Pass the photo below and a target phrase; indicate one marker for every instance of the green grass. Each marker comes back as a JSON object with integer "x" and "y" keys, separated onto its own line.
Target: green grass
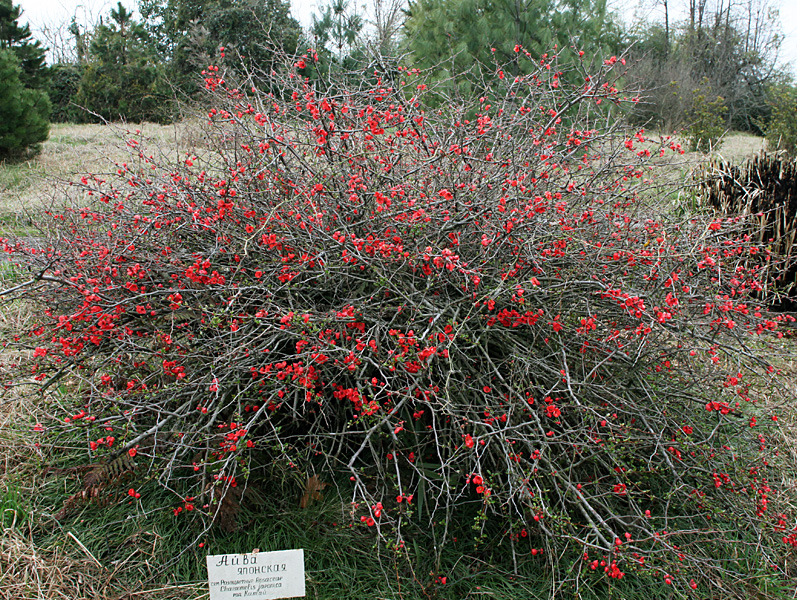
{"x": 12, "y": 509}
{"x": 10, "y": 274}
{"x": 121, "y": 545}
{"x": 342, "y": 562}
{"x": 62, "y": 137}
{"x": 146, "y": 546}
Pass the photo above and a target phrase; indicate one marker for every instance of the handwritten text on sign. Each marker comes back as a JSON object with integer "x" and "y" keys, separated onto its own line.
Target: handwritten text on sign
{"x": 258, "y": 576}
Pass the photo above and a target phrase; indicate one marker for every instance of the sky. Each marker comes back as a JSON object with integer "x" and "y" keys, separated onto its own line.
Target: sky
{"x": 41, "y": 13}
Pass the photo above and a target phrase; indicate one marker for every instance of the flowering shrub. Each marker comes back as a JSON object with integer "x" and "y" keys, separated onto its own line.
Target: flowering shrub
{"x": 447, "y": 315}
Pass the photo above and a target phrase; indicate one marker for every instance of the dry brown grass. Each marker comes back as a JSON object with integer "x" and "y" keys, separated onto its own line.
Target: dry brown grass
{"x": 76, "y": 149}
{"x": 14, "y": 448}
{"x": 27, "y": 571}
{"x": 738, "y": 146}
{"x": 31, "y": 572}
{"x": 735, "y": 147}
{"x": 68, "y": 571}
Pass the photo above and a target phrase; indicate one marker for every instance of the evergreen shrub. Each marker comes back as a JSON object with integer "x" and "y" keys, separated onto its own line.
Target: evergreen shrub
{"x": 781, "y": 128}
{"x": 706, "y": 119}
{"x": 64, "y": 85}
{"x": 24, "y": 112}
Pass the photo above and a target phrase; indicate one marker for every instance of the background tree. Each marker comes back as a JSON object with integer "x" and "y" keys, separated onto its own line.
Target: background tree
{"x": 67, "y": 41}
{"x": 70, "y": 45}
{"x": 388, "y": 21}
{"x": 24, "y": 112}
{"x": 781, "y": 129}
{"x": 24, "y": 106}
{"x": 18, "y": 39}
{"x": 82, "y": 40}
{"x": 59, "y": 40}
{"x": 172, "y": 27}
{"x": 336, "y": 39}
{"x": 123, "y": 78}
{"x": 187, "y": 33}
{"x": 65, "y": 78}
{"x": 461, "y": 35}
{"x": 254, "y": 29}
{"x": 728, "y": 49}
{"x": 336, "y": 29}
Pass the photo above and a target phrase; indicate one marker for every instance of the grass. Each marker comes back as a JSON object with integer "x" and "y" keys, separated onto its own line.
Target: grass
{"x": 158, "y": 555}
{"x": 737, "y": 146}
{"x": 71, "y": 150}
{"x": 99, "y": 552}
{"x": 677, "y": 173}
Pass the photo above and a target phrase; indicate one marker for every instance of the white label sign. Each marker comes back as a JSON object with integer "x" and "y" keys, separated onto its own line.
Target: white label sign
{"x": 257, "y": 576}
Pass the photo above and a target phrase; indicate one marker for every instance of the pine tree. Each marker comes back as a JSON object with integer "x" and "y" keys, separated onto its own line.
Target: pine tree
{"x": 462, "y": 35}
{"x": 24, "y": 112}
{"x": 337, "y": 28}
{"x": 123, "y": 78}
{"x": 187, "y": 33}
{"x": 338, "y": 47}
{"x": 18, "y": 38}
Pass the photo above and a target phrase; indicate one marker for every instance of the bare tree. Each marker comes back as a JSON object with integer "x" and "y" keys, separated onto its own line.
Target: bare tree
{"x": 67, "y": 39}
{"x": 58, "y": 39}
{"x": 388, "y": 20}
{"x": 726, "y": 48}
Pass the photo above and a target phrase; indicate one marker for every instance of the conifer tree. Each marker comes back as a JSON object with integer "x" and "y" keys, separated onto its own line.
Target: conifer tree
{"x": 187, "y": 33}
{"x": 336, "y": 43}
{"x": 337, "y": 28}
{"x": 174, "y": 27}
{"x": 18, "y": 39}
{"x": 24, "y": 112}
{"x": 123, "y": 78}
{"x": 459, "y": 35}
{"x": 254, "y": 29}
